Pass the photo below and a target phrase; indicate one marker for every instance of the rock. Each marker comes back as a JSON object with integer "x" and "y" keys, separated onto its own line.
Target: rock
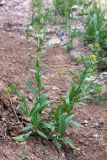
{"x": 53, "y": 41}
{"x": 60, "y": 34}
{"x": 55, "y": 88}
{"x": 95, "y": 135}
{"x": 89, "y": 79}
{"x": 62, "y": 37}
{"x": 74, "y": 54}
{"x": 2, "y": 2}
{"x": 86, "y": 122}
{"x": 75, "y": 8}
{"x": 3, "y": 119}
{"x": 103, "y": 76}
{"x": 51, "y": 30}
{"x": 98, "y": 124}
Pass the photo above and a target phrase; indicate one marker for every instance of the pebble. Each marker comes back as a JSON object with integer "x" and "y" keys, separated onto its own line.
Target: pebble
{"x": 3, "y": 119}
{"x": 86, "y": 122}
{"x": 53, "y": 41}
{"x": 103, "y": 76}
{"x": 2, "y": 2}
{"x": 75, "y": 8}
{"x": 98, "y": 124}
{"x": 61, "y": 34}
{"x": 95, "y": 135}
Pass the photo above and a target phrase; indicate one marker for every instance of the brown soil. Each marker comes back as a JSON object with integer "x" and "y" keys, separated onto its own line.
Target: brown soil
{"x": 15, "y": 65}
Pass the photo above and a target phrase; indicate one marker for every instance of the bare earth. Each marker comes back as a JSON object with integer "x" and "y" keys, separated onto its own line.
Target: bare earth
{"x": 15, "y": 66}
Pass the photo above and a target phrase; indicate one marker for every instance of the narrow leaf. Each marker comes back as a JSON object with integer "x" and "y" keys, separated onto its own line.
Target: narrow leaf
{"x": 41, "y": 134}
{"x": 76, "y": 124}
{"x": 28, "y": 127}
{"x": 22, "y": 137}
{"x": 31, "y": 87}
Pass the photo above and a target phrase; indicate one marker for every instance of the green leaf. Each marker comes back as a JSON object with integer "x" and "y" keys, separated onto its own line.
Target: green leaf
{"x": 22, "y": 137}
{"x": 39, "y": 108}
{"x": 72, "y": 123}
{"x": 68, "y": 118}
{"x": 50, "y": 125}
{"x": 36, "y": 120}
{"x": 69, "y": 142}
{"x": 41, "y": 134}
{"x": 31, "y": 88}
{"x": 24, "y": 106}
{"x": 27, "y": 127}
{"x": 62, "y": 126}
{"x": 43, "y": 98}
{"x": 57, "y": 144}
{"x": 11, "y": 89}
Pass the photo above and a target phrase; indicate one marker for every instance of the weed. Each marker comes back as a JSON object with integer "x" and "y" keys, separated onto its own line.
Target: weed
{"x": 96, "y": 26}
{"x": 61, "y": 116}
{"x": 96, "y": 31}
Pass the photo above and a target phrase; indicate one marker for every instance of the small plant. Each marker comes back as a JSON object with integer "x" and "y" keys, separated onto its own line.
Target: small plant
{"x": 58, "y": 118}
{"x": 96, "y": 24}
{"x": 48, "y": 122}
{"x": 96, "y": 31}
{"x": 63, "y": 8}
{"x": 39, "y": 19}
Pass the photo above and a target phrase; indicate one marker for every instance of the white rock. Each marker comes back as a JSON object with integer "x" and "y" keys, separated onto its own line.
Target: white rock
{"x": 2, "y": 2}
{"x": 53, "y": 41}
{"x": 86, "y": 122}
{"x": 75, "y": 8}
{"x": 103, "y": 76}
{"x": 95, "y": 135}
{"x": 89, "y": 79}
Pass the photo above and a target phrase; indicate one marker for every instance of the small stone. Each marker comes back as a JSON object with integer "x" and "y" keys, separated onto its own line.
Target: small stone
{"x": 90, "y": 79}
{"x": 2, "y": 2}
{"x": 3, "y": 119}
{"x": 96, "y": 125}
{"x": 61, "y": 34}
{"x": 53, "y": 41}
{"x": 64, "y": 39}
{"x": 86, "y": 122}
{"x": 55, "y": 88}
{"x": 85, "y": 125}
{"x": 75, "y": 8}
{"x": 50, "y": 30}
{"x": 103, "y": 76}
{"x": 95, "y": 135}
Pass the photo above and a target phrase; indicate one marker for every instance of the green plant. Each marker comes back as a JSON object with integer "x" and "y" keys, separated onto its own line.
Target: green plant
{"x": 60, "y": 117}
{"x": 96, "y": 31}
{"x": 95, "y": 28}
{"x": 63, "y": 7}
{"x": 39, "y": 19}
